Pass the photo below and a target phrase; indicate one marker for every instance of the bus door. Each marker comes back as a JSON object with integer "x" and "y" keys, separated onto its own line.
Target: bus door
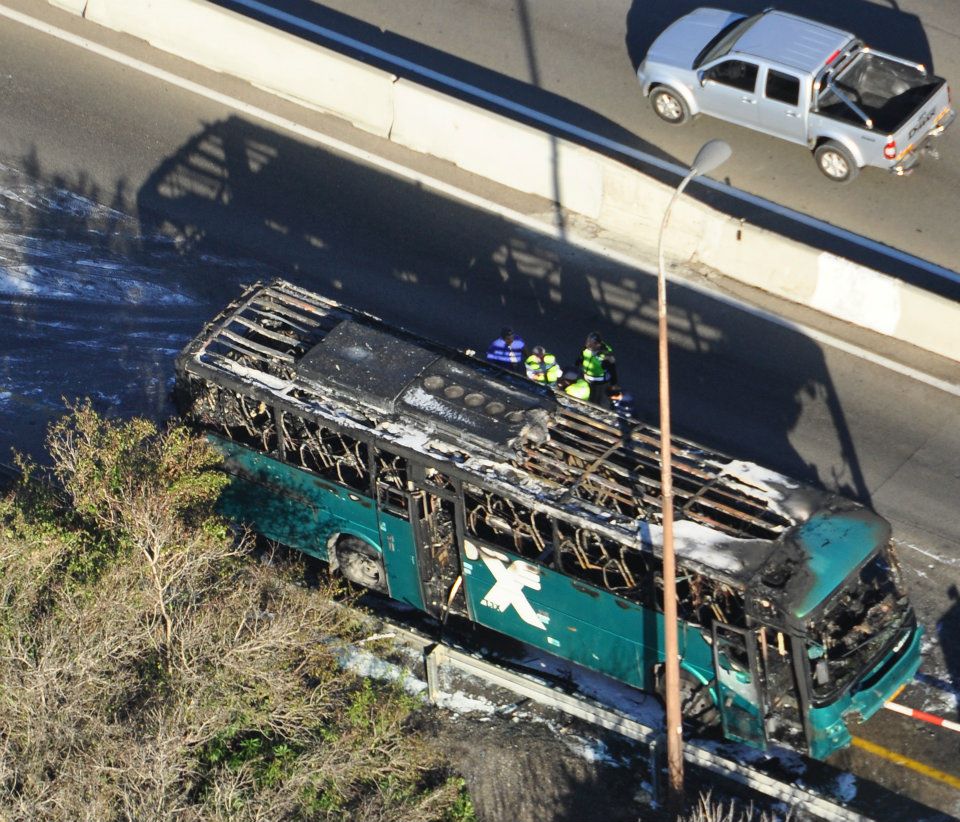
{"x": 395, "y": 502}
{"x": 781, "y": 694}
{"x": 739, "y": 695}
{"x": 438, "y": 557}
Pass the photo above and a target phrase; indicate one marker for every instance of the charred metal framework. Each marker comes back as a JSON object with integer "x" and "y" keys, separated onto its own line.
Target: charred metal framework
{"x": 336, "y": 392}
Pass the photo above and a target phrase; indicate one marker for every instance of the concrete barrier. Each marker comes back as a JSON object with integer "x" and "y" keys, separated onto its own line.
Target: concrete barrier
{"x": 273, "y": 60}
{"x": 73, "y": 6}
{"x": 831, "y": 285}
{"x": 633, "y": 206}
{"x": 497, "y": 148}
{"x": 622, "y": 201}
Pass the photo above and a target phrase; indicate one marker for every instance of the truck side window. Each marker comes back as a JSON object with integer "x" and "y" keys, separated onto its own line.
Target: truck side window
{"x": 783, "y": 87}
{"x": 736, "y": 73}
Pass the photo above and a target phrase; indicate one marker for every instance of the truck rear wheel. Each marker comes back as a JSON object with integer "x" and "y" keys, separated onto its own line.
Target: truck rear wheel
{"x": 835, "y": 162}
{"x": 669, "y": 106}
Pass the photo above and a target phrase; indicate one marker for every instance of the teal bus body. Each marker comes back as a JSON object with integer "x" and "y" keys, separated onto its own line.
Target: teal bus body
{"x": 458, "y": 489}
{"x": 579, "y": 622}
{"x": 585, "y": 624}
{"x": 301, "y": 511}
{"x": 827, "y": 566}
{"x": 829, "y": 724}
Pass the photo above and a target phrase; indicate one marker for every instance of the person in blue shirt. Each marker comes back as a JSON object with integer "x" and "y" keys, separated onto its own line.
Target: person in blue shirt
{"x": 508, "y": 351}
{"x": 620, "y": 401}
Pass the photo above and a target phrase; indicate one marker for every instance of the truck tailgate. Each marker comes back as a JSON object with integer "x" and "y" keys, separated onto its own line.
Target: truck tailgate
{"x": 932, "y": 116}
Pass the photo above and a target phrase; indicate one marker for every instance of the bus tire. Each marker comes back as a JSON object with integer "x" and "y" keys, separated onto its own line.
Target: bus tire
{"x": 835, "y": 161}
{"x": 696, "y": 703}
{"x": 361, "y": 564}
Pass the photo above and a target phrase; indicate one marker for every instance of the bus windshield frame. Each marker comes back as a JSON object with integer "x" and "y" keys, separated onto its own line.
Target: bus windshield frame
{"x": 866, "y": 617}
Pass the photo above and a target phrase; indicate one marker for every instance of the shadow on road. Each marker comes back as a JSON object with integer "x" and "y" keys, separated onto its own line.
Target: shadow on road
{"x": 453, "y": 273}
{"x": 948, "y": 635}
{"x": 883, "y": 26}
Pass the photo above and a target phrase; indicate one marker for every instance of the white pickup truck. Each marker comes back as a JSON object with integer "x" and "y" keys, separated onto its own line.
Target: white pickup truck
{"x": 799, "y": 80}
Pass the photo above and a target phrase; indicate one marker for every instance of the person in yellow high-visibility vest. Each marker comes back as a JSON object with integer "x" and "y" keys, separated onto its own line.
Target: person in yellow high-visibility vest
{"x": 597, "y": 365}
{"x": 576, "y": 386}
{"x": 541, "y": 366}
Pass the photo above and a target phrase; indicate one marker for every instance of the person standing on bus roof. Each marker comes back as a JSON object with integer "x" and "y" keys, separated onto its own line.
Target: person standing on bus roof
{"x": 598, "y": 366}
{"x": 507, "y": 351}
{"x": 541, "y": 366}
{"x": 576, "y": 386}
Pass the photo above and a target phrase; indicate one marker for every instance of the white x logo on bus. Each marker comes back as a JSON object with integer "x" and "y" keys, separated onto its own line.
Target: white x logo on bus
{"x": 510, "y": 581}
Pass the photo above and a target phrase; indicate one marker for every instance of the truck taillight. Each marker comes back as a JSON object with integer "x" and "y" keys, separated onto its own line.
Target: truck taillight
{"x": 890, "y": 150}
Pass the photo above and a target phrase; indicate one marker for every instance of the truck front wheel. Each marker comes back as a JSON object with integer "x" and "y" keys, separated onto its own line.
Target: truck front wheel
{"x": 835, "y": 161}
{"x": 669, "y": 106}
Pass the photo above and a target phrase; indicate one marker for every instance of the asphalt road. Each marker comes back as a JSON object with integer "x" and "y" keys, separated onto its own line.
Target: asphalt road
{"x": 246, "y": 201}
{"x": 575, "y": 60}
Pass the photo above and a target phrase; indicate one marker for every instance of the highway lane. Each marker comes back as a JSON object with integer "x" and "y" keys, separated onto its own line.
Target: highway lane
{"x": 576, "y": 60}
{"x": 247, "y": 200}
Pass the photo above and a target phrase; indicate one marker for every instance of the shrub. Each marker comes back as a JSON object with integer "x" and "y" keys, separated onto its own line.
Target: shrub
{"x": 149, "y": 670}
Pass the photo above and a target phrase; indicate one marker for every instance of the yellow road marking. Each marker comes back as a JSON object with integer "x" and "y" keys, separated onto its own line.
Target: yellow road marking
{"x": 897, "y": 692}
{"x": 899, "y": 759}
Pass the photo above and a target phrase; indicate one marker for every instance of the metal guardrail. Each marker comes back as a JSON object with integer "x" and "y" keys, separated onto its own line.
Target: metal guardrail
{"x": 437, "y": 655}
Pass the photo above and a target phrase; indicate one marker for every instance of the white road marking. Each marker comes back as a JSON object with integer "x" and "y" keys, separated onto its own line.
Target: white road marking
{"x": 938, "y": 557}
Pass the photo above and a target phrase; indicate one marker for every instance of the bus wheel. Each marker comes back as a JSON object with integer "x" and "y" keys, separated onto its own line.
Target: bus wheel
{"x": 696, "y": 704}
{"x": 361, "y": 564}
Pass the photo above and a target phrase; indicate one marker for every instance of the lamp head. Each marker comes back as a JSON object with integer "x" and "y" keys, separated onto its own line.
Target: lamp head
{"x": 712, "y": 154}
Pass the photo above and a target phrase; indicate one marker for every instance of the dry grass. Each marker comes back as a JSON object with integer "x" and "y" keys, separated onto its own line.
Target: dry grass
{"x": 149, "y": 671}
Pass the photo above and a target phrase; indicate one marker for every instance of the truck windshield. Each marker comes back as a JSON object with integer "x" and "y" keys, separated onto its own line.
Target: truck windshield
{"x": 856, "y": 626}
{"x": 724, "y": 40}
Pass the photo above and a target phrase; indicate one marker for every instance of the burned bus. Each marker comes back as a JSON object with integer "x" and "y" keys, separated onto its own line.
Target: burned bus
{"x": 462, "y": 489}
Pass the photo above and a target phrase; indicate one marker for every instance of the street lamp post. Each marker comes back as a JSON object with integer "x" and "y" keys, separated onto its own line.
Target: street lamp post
{"x": 711, "y": 155}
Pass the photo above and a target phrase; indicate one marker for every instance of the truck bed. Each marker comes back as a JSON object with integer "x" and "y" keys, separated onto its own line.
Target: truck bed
{"x": 888, "y": 91}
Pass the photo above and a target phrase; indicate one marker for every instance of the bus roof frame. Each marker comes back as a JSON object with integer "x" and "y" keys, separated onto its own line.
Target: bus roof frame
{"x": 498, "y": 454}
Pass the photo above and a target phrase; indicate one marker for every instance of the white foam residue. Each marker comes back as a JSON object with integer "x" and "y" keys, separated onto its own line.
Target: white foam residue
{"x": 253, "y": 375}
{"x": 592, "y": 750}
{"x": 47, "y": 257}
{"x": 419, "y": 398}
{"x": 21, "y": 279}
{"x": 760, "y": 483}
{"x": 364, "y": 663}
{"x": 414, "y": 440}
{"x": 697, "y": 543}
